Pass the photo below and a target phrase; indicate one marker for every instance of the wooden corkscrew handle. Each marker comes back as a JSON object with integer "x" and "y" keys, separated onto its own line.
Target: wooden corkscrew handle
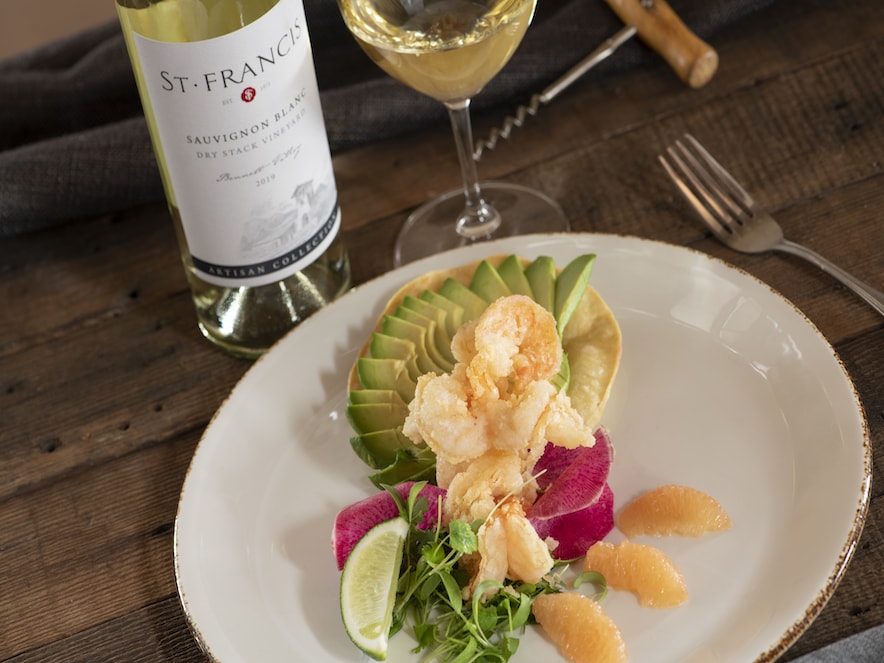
{"x": 659, "y": 27}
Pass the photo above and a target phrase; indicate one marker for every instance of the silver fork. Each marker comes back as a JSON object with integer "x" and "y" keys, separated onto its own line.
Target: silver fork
{"x": 734, "y": 218}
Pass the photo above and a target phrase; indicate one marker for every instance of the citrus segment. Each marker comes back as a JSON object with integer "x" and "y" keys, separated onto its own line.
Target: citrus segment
{"x": 368, "y": 586}
{"x": 671, "y": 510}
{"x": 579, "y": 628}
{"x": 643, "y": 570}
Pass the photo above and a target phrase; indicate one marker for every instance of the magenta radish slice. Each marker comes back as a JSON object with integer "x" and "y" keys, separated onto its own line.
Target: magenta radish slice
{"x": 576, "y": 484}
{"x": 552, "y": 463}
{"x": 578, "y": 530}
{"x": 353, "y": 521}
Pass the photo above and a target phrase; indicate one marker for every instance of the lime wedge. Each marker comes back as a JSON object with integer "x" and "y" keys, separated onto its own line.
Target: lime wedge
{"x": 368, "y": 586}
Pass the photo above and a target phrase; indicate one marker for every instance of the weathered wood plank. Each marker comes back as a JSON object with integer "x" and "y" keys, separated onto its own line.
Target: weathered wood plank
{"x": 91, "y": 547}
{"x": 94, "y": 352}
{"x": 155, "y": 633}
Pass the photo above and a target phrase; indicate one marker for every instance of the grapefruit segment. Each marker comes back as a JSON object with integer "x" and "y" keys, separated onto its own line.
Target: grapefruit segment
{"x": 643, "y": 570}
{"x": 579, "y": 628}
{"x": 671, "y": 510}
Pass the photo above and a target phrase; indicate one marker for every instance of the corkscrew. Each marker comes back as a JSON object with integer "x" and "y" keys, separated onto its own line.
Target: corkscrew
{"x": 654, "y": 21}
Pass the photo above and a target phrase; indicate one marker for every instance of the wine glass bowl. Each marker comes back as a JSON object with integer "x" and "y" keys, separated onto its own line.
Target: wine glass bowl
{"x": 445, "y": 49}
{"x": 448, "y": 50}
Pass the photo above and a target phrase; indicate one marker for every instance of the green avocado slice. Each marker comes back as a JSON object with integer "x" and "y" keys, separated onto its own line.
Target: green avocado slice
{"x": 378, "y": 449}
{"x": 473, "y": 305}
{"x": 417, "y": 463}
{"x": 431, "y": 336}
{"x": 399, "y": 328}
{"x": 454, "y": 313}
{"x": 487, "y": 283}
{"x": 366, "y": 396}
{"x": 562, "y": 379}
{"x": 541, "y": 274}
{"x": 439, "y": 316}
{"x": 390, "y": 374}
{"x": 373, "y": 417}
{"x": 384, "y": 346}
{"x": 571, "y": 285}
{"x": 513, "y": 274}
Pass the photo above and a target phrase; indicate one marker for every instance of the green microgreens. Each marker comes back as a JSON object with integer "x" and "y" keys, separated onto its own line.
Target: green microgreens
{"x": 431, "y": 586}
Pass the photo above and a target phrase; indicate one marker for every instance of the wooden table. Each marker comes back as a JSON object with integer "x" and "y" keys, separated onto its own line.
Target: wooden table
{"x": 106, "y": 385}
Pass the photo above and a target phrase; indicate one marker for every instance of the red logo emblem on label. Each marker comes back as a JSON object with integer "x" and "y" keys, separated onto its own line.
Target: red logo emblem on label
{"x": 248, "y": 94}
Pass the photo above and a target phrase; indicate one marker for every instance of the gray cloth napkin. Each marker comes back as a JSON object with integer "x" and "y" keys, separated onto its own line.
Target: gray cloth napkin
{"x": 74, "y": 143}
{"x": 864, "y": 647}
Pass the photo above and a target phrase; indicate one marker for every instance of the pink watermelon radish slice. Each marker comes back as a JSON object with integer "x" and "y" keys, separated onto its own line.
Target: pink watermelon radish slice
{"x": 578, "y": 530}
{"x": 353, "y": 521}
{"x": 574, "y": 478}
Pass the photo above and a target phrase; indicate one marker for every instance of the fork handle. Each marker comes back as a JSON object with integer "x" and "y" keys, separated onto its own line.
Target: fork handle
{"x": 875, "y": 298}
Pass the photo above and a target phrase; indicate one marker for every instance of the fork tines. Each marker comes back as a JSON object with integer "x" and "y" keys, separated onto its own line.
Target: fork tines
{"x": 707, "y": 186}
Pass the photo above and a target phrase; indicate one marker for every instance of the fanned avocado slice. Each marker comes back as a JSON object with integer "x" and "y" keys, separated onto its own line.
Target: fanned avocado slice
{"x": 394, "y": 326}
{"x": 373, "y": 417}
{"x": 386, "y": 374}
{"x": 487, "y": 283}
{"x": 454, "y": 313}
{"x": 473, "y": 305}
{"x": 384, "y": 346}
{"x": 541, "y": 274}
{"x": 439, "y": 316}
{"x": 431, "y": 336}
{"x": 513, "y": 274}
{"x": 570, "y": 286}
{"x": 366, "y": 396}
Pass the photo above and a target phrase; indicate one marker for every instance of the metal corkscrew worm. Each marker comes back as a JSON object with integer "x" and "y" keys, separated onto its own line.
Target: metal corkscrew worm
{"x": 524, "y": 111}
{"x": 693, "y": 60}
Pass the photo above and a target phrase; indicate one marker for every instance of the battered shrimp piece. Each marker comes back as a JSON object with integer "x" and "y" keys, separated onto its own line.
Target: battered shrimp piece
{"x": 528, "y": 556}
{"x": 445, "y": 472}
{"x": 474, "y": 492}
{"x": 440, "y": 415}
{"x": 515, "y": 423}
{"x": 515, "y": 343}
{"x": 492, "y": 558}
{"x": 564, "y": 426}
{"x": 509, "y": 547}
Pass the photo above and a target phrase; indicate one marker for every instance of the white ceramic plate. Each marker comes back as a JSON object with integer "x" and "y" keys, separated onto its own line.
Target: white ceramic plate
{"x": 723, "y": 386}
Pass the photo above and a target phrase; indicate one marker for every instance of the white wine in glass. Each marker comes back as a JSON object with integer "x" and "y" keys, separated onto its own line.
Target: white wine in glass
{"x": 449, "y": 50}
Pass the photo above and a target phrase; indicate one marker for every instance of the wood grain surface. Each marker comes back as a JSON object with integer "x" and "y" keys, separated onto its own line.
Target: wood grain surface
{"x": 106, "y": 385}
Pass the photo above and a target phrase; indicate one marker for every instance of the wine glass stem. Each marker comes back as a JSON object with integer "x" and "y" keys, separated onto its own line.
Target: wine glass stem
{"x": 478, "y": 219}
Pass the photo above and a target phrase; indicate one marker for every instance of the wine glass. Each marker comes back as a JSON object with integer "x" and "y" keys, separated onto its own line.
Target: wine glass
{"x": 449, "y": 50}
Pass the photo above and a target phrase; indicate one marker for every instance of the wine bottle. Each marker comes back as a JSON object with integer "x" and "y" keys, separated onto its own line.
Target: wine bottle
{"x": 230, "y": 96}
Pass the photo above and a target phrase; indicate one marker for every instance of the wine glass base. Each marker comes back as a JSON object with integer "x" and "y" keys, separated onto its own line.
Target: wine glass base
{"x": 431, "y": 227}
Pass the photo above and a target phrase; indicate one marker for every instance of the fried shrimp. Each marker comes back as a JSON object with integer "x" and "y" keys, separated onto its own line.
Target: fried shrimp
{"x": 515, "y": 344}
{"x": 509, "y": 547}
{"x": 440, "y": 415}
{"x": 488, "y": 423}
{"x": 474, "y": 492}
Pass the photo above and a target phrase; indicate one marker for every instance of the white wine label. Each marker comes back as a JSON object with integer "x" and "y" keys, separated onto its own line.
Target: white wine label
{"x": 245, "y": 148}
